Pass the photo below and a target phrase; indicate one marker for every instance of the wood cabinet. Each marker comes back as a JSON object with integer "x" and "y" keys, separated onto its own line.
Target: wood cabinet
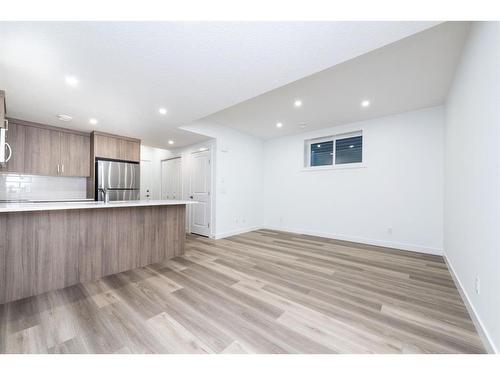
{"x": 3, "y": 107}
{"x": 129, "y": 150}
{"x": 106, "y": 147}
{"x": 51, "y": 151}
{"x": 47, "y": 151}
{"x": 115, "y": 147}
{"x": 75, "y": 154}
{"x": 46, "y": 250}
{"x": 16, "y": 137}
{"x": 41, "y": 151}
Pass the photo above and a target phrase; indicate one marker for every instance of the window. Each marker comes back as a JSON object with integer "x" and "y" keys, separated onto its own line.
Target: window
{"x": 340, "y": 149}
{"x": 348, "y": 150}
{"x": 321, "y": 153}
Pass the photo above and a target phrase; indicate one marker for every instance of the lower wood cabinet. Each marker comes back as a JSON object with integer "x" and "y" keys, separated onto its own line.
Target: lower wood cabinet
{"x": 42, "y": 251}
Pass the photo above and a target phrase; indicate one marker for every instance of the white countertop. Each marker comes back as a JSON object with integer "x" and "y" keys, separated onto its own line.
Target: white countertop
{"x": 49, "y": 206}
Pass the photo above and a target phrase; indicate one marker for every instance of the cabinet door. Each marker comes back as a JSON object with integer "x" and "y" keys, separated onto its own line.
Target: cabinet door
{"x": 129, "y": 150}
{"x": 106, "y": 147}
{"x": 3, "y": 107}
{"x": 15, "y": 137}
{"x": 42, "y": 152}
{"x": 75, "y": 155}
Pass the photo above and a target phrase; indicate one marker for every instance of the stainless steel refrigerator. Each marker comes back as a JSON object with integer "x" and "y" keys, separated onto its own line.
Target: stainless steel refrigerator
{"x": 120, "y": 179}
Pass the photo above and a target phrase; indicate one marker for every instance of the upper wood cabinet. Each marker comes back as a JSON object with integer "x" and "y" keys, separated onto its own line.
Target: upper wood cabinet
{"x": 75, "y": 155}
{"x": 130, "y": 150}
{"x": 115, "y": 147}
{"x": 47, "y": 151}
{"x": 3, "y": 107}
{"x": 16, "y": 137}
{"x": 42, "y": 151}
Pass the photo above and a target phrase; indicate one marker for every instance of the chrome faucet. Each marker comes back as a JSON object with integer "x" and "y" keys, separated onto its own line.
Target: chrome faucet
{"x": 105, "y": 194}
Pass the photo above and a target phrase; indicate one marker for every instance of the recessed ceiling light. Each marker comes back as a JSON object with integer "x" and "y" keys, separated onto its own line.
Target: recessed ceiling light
{"x": 297, "y": 103}
{"x": 279, "y": 125}
{"x": 365, "y": 103}
{"x": 163, "y": 111}
{"x": 351, "y": 146}
{"x": 302, "y": 126}
{"x": 71, "y": 80}
{"x": 170, "y": 142}
{"x": 64, "y": 117}
{"x": 93, "y": 121}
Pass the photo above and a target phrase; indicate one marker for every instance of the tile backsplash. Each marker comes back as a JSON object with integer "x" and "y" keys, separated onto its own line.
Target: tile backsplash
{"x": 21, "y": 186}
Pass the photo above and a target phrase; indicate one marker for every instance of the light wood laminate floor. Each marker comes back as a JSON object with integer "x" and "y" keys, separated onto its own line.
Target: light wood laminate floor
{"x": 259, "y": 292}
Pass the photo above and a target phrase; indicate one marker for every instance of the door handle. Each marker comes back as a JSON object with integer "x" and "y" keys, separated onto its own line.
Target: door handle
{"x": 10, "y": 151}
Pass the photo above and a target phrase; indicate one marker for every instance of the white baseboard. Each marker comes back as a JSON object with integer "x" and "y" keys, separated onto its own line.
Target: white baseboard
{"x": 367, "y": 241}
{"x": 481, "y": 330}
{"x": 219, "y": 236}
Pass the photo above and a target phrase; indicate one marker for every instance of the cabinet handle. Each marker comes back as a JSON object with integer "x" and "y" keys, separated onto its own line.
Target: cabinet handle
{"x": 62, "y": 168}
{"x": 57, "y": 168}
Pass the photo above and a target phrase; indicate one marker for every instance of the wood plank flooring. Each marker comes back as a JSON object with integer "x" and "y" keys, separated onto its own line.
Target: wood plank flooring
{"x": 259, "y": 292}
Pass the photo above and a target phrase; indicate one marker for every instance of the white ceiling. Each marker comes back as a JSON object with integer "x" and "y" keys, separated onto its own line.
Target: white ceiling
{"x": 127, "y": 70}
{"x": 409, "y": 74}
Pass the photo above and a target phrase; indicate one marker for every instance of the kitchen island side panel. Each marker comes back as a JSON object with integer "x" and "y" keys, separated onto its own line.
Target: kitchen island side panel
{"x": 47, "y": 250}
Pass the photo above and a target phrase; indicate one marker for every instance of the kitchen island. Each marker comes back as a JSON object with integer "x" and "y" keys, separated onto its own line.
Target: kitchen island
{"x": 47, "y": 246}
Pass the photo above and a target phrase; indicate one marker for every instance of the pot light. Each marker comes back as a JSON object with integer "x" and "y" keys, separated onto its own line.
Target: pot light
{"x": 170, "y": 142}
{"x": 365, "y": 103}
{"x": 279, "y": 125}
{"x": 163, "y": 111}
{"x": 302, "y": 126}
{"x": 64, "y": 118}
{"x": 297, "y": 103}
{"x": 93, "y": 121}
{"x": 351, "y": 146}
{"x": 71, "y": 81}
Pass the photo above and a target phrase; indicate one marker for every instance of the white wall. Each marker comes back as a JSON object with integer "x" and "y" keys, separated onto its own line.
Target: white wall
{"x": 155, "y": 156}
{"x": 472, "y": 176}
{"x": 400, "y": 187}
{"x": 238, "y": 178}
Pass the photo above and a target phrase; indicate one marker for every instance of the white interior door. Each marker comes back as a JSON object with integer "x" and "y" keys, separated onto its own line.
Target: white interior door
{"x": 146, "y": 179}
{"x": 200, "y": 192}
{"x": 171, "y": 179}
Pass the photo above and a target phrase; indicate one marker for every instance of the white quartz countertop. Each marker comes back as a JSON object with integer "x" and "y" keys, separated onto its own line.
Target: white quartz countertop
{"x": 50, "y": 206}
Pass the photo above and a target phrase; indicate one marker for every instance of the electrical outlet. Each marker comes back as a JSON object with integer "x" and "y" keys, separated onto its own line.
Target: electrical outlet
{"x": 281, "y": 220}
{"x": 478, "y": 284}
{"x": 389, "y": 230}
